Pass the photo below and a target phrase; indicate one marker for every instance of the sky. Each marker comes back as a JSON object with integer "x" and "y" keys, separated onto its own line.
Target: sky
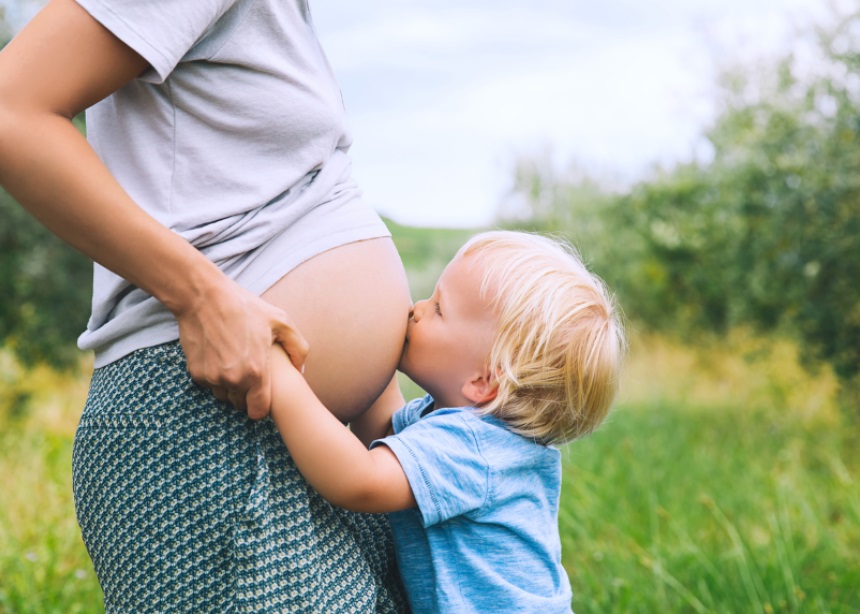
{"x": 444, "y": 97}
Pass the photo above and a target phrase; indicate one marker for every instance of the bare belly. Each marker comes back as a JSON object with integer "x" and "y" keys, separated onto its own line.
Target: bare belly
{"x": 352, "y": 304}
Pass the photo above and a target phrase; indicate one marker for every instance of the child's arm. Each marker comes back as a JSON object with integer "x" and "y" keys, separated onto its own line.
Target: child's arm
{"x": 375, "y": 423}
{"x": 327, "y": 454}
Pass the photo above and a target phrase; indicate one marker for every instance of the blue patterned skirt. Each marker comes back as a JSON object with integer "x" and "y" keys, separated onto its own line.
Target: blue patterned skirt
{"x": 186, "y": 505}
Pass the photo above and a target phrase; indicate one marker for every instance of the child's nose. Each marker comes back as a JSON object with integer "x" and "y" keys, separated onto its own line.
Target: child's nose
{"x": 418, "y": 310}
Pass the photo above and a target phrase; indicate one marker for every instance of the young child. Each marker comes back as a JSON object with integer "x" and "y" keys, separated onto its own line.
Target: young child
{"x": 519, "y": 350}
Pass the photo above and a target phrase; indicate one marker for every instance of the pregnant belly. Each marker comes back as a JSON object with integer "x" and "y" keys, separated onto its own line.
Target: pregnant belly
{"x": 352, "y": 304}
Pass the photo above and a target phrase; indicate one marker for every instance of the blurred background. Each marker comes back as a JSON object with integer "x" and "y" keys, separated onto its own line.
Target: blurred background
{"x": 703, "y": 156}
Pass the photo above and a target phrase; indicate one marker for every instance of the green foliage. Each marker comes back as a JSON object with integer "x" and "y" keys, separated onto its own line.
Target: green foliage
{"x": 765, "y": 234}
{"x": 688, "y": 244}
{"x": 787, "y": 167}
{"x": 45, "y": 288}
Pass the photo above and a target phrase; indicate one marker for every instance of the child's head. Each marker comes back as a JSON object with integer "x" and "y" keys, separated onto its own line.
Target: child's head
{"x": 550, "y": 339}
{"x": 558, "y": 346}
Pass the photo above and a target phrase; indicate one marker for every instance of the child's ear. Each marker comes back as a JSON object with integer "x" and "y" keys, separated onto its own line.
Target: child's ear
{"x": 481, "y": 388}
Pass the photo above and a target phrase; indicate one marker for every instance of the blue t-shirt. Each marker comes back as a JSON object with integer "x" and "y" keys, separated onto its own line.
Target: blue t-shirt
{"x": 484, "y": 537}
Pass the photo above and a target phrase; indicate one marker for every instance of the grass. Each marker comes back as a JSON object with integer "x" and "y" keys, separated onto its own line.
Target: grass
{"x": 725, "y": 482}
{"x": 671, "y": 509}
{"x": 44, "y": 567}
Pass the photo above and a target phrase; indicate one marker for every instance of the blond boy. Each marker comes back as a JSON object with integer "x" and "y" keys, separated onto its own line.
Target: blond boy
{"x": 519, "y": 349}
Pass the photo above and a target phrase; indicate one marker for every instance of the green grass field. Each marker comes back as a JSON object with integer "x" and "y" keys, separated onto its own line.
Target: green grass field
{"x": 43, "y": 564}
{"x": 669, "y": 509}
{"x": 685, "y": 501}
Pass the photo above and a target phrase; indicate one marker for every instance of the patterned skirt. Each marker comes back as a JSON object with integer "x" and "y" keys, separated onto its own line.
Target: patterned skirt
{"x": 186, "y": 505}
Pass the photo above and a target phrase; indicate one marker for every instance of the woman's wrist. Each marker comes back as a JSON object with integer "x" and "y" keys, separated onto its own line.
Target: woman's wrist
{"x": 202, "y": 283}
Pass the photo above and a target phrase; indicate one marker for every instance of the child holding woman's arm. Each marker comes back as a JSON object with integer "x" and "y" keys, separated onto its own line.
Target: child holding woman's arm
{"x": 330, "y": 456}
{"x": 519, "y": 349}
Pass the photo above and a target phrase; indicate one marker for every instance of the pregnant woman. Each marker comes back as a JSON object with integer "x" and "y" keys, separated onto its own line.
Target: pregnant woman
{"x": 213, "y": 191}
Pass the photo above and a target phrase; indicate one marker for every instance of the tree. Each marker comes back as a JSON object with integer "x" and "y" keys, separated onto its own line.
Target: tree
{"x": 788, "y": 166}
{"x": 765, "y": 234}
{"x": 45, "y": 287}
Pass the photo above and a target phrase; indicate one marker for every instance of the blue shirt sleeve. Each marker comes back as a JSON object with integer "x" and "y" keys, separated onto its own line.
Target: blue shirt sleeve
{"x": 441, "y": 457}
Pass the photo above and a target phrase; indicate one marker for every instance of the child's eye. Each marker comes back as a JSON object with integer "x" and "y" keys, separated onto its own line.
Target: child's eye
{"x": 438, "y": 309}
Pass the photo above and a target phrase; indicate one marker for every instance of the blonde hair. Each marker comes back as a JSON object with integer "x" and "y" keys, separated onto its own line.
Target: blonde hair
{"x": 558, "y": 348}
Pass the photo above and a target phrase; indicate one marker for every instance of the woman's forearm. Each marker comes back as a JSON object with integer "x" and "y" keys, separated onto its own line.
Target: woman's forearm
{"x": 328, "y": 455}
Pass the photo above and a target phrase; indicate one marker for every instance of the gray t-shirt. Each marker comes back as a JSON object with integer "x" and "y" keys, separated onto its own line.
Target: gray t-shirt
{"x": 484, "y": 537}
{"x": 236, "y": 139}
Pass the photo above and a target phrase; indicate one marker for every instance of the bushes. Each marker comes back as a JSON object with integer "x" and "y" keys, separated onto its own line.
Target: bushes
{"x": 766, "y": 234}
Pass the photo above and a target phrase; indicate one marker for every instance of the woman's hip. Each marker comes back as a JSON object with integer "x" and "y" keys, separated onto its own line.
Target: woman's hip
{"x": 186, "y": 505}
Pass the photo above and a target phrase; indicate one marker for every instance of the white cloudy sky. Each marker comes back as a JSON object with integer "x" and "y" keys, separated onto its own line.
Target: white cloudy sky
{"x": 444, "y": 96}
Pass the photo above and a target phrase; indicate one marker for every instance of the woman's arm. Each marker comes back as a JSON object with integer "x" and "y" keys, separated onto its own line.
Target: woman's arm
{"x": 328, "y": 455}
{"x": 61, "y": 63}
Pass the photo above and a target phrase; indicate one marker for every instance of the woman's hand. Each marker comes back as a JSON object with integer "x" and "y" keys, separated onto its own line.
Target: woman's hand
{"x": 227, "y": 337}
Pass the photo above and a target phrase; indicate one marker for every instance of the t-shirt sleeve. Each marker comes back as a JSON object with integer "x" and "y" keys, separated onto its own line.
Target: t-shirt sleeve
{"x": 442, "y": 460}
{"x": 162, "y": 31}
